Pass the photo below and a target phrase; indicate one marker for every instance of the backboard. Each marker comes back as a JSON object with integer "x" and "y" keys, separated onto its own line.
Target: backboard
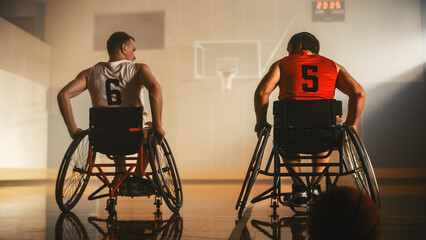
{"x": 213, "y": 58}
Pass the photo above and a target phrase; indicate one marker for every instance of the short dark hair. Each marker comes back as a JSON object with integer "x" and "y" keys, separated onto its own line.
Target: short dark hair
{"x": 304, "y": 41}
{"x": 116, "y": 40}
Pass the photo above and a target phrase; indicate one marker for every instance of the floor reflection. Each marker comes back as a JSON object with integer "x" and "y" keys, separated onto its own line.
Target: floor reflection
{"x": 298, "y": 225}
{"x": 29, "y": 211}
{"x": 276, "y": 228}
{"x": 69, "y": 226}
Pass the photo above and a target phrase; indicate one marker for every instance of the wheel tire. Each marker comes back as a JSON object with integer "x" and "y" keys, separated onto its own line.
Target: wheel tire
{"x": 165, "y": 173}
{"x": 252, "y": 171}
{"x": 357, "y": 160}
{"x": 72, "y": 177}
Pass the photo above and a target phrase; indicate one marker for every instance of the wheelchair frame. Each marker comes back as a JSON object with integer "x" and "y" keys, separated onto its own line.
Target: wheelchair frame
{"x": 78, "y": 166}
{"x": 353, "y": 160}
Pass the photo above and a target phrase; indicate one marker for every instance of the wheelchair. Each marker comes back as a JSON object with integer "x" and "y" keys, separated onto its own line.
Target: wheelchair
{"x": 117, "y": 132}
{"x": 308, "y": 127}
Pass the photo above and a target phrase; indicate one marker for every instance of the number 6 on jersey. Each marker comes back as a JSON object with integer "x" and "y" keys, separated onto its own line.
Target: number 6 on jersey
{"x": 112, "y": 92}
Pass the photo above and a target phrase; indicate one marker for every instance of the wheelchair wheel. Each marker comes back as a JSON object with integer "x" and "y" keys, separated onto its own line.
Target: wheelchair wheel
{"x": 165, "y": 173}
{"x": 173, "y": 228}
{"x": 69, "y": 226}
{"x": 72, "y": 177}
{"x": 357, "y": 160}
{"x": 253, "y": 170}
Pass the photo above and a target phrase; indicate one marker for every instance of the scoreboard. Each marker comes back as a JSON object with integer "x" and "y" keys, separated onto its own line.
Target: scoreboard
{"x": 328, "y": 11}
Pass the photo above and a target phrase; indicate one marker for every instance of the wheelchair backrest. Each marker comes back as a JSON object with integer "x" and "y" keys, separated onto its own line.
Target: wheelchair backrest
{"x": 306, "y": 126}
{"x": 110, "y": 130}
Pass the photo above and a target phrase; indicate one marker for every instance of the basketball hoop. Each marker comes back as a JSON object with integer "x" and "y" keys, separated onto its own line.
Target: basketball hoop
{"x": 226, "y": 76}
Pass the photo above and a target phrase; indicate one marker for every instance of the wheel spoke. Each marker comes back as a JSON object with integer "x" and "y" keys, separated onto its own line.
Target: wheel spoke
{"x": 166, "y": 175}
{"x": 74, "y": 176}
{"x": 357, "y": 159}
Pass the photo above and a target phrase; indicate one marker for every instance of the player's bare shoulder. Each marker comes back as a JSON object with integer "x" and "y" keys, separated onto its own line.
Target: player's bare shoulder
{"x": 144, "y": 74}
{"x": 275, "y": 70}
{"x": 340, "y": 69}
{"x": 277, "y": 64}
{"x": 84, "y": 74}
{"x": 142, "y": 68}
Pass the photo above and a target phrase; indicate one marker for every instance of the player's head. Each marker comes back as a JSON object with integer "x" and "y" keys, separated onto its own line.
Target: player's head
{"x": 303, "y": 41}
{"x": 344, "y": 213}
{"x": 121, "y": 42}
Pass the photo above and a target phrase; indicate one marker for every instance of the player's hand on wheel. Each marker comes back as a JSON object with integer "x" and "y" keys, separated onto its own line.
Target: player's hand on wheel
{"x": 351, "y": 125}
{"x": 159, "y": 134}
{"x": 75, "y": 133}
{"x": 259, "y": 126}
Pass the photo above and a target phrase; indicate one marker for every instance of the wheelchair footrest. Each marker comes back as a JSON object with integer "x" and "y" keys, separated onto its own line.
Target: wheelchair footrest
{"x": 287, "y": 197}
{"x": 136, "y": 186}
{"x": 137, "y": 194}
{"x": 287, "y": 202}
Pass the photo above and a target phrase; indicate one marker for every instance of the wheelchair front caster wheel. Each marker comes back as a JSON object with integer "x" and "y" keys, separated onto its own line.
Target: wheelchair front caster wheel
{"x": 158, "y": 214}
{"x": 274, "y": 207}
{"x": 111, "y": 206}
{"x": 158, "y": 202}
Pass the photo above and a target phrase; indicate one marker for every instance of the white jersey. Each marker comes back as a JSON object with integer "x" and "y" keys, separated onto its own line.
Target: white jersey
{"x": 115, "y": 84}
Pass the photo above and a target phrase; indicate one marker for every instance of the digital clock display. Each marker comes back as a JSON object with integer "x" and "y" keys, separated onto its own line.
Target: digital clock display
{"x": 327, "y": 11}
{"x": 328, "y": 5}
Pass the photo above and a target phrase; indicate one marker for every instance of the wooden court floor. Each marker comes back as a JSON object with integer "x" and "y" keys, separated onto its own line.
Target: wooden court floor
{"x": 29, "y": 211}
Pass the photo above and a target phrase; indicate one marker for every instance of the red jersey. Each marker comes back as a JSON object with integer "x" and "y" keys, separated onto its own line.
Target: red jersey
{"x": 307, "y": 77}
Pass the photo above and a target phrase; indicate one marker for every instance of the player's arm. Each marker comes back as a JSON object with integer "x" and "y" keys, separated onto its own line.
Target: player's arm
{"x": 72, "y": 89}
{"x": 347, "y": 84}
{"x": 148, "y": 80}
{"x": 261, "y": 96}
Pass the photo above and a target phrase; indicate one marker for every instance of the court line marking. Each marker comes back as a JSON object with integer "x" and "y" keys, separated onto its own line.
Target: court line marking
{"x": 238, "y": 230}
{"x": 281, "y": 40}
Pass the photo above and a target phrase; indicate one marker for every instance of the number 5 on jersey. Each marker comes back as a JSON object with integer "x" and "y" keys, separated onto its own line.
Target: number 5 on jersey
{"x": 313, "y": 78}
{"x": 116, "y": 100}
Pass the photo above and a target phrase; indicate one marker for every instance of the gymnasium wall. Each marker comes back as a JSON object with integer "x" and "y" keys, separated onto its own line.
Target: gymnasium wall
{"x": 24, "y": 81}
{"x": 395, "y": 116}
{"x": 380, "y": 43}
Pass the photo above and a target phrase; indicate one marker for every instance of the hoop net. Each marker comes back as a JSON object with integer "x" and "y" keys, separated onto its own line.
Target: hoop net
{"x": 226, "y": 76}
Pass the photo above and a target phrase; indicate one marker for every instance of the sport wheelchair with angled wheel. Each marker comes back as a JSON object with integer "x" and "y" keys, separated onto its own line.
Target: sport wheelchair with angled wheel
{"x": 308, "y": 128}
{"x": 118, "y": 133}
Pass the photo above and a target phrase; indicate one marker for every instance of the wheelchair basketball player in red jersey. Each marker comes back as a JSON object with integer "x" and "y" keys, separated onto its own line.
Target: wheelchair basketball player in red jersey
{"x": 306, "y": 75}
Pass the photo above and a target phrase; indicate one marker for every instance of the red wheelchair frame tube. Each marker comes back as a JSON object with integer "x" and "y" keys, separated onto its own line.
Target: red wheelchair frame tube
{"x": 103, "y": 175}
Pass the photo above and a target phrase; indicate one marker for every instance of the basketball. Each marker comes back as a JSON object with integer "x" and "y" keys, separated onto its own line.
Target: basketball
{"x": 344, "y": 213}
